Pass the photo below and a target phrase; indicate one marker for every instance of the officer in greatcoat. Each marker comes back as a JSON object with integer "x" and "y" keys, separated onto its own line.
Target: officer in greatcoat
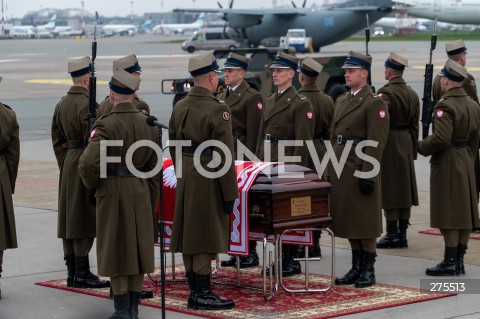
{"x": 131, "y": 65}
{"x": 204, "y": 198}
{"x": 322, "y": 105}
{"x": 399, "y": 184}
{"x": 452, "y": 146}
{"x": 287, "y": 117}
{"x": 359, "y": 127}
{"x": 9, "y": 159}
{"x": 76, "y": 206}
{"x": 246, "y": 106}
{"x": 126, "y": 193}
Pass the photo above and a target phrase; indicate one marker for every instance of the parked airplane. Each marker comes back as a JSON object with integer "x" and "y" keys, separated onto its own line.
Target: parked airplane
{"x": 109, "y": 30}
{"x": 180, "y": 28}
{"x": 453, "y": 11}
{"x": 34, "y": 31}
{"x": 325, "y": 25}
{"x": 400, "y": 23}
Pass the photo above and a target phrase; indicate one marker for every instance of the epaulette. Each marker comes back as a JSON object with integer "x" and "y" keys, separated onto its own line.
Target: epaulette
{"x": 8, "y": 107}
{"x": 104, "y": 116}
{"x": 375, "y": 95}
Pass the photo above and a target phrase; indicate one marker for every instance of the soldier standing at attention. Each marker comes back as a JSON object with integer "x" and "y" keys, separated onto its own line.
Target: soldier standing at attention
{"x": 322, "y": 105}
{"x": 129, "y": 64}
{"x": 287, "y": 116}
{"x": 246, "y": 106}
{"x": 203, "y": 204}
{"x": 9, "y": 159}
{"x": 76, "y": 206}
{"x": 453, "y": 144}
{"x": 126, "y": 202}
{"x": 360, "y": 116}
{"x": 399, "y": 184}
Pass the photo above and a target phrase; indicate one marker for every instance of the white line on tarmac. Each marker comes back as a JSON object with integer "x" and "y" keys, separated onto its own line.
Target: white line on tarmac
{"x": 11, "y": 60}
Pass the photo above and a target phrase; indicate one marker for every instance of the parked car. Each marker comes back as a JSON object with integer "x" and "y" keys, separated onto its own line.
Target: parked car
{"x": 209, "y": 39}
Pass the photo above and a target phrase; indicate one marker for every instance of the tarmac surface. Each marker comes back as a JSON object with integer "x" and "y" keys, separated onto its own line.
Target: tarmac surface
{"x": 34, "y": 78}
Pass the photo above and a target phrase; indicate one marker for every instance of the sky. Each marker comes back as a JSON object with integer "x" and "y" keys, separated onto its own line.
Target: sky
{"x": 18, "y": 8}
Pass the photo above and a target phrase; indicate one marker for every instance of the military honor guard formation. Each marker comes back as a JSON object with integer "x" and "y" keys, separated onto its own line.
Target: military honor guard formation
{"x": 118, "y": 207}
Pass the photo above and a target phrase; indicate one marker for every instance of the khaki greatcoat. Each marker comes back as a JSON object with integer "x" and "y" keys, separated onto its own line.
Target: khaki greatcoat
{"x": 126, "y": 205}
{"x": 288, "y": 116}
{"x": 200, "y": 224}
{"x": 246, "y": 106}
{"x": 76, "y": 210}
{"x": 106, "y": 106}
{"x": 364, "y": 117}
{"x": 322, "y": 105}
{"x": 9, "y": 159}
{"x": 399, "y": 184}
{"x": 453, "y": 201}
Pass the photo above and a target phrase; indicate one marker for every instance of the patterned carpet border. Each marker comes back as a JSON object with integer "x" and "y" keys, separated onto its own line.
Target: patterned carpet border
{"x": 435, "y": 231}
{"x": 338, "y": 301}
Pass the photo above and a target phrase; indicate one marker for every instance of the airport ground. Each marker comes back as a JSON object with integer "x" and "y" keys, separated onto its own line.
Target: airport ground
{"x": 34, "y": 78}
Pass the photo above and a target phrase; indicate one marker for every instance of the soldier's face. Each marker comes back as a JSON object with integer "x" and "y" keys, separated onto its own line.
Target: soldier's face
{"x": 282, "y": 77}
{"x": 233, "y": 77}
{"x": 355, "y": 77}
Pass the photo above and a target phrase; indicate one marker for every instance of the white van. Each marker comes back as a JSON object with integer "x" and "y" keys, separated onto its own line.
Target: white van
{"x": 209, "y": 39}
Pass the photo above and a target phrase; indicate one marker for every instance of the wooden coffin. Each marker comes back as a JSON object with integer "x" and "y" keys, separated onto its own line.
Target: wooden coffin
{"x": 280, "y": 202}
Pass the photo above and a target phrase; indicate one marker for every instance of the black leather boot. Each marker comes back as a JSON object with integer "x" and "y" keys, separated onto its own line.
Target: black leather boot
{"x": 402, "y": 233}
{"x": 367, "y": 277}
{"x": 134, "y": 302}
{"x": 461, "y": 250}
{"x": 313, "y": 251}
{"x": 205, "y": 299}
{"x": 84, "y": 278}
{"x": 71, "y": 268}
{"x": 229, "y": 263}
{"x": 121, "y": 304}
{"x": 391, "y": 238}
{"x": 448, "y": 267}
{"x": 252, "y": 259}
{"x": 354, "y": 273}
{"x": 191, "y": 285}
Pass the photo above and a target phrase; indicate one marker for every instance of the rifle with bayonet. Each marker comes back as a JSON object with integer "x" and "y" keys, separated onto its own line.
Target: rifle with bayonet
{"x": 92, "y": 85}
{"x": 367, "y": 39}
{"x": 428, "y": 103}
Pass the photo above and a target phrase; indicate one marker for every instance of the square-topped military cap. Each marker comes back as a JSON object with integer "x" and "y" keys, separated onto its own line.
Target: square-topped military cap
{"x": 396, "y": 62}
{"x": 236, "y": 61}
{"x": 454, "y": 71}
{"x": 123, "y": 82}
{"x": 284, "y": 61}
{"x": 357, "y": 60}
{"x": 310, "y": 67}
{"x": 79, "y": 67}
{"x": 455, "y": 47}
{"x": 128, "y": 63}
{"x": 202, "y": 64}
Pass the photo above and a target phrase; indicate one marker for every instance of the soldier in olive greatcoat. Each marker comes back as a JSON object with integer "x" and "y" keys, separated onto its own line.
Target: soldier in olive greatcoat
{"x": 126, "y": 198}
{"x": 453, "y": 144}
{"x": 399, "y": 185}
{"x": 204, "y": 201}
{"x": 9, "y": 159}
{"x": 76, "y": 206}
{"x": 287, "y": 116}
{"x": 131, "y": 65}
{"x": 359, "y": 126}
{"x": 246, "y": 106}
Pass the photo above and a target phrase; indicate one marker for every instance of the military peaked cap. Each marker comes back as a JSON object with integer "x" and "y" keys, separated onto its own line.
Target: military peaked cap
{"x": 396, "y": 62}
{"x": 79, "y": 67}
{"x": 310, "y": 67}
{"x": 357, "y": 60}
{"x": 202, "y": 64}
{"x": 123, "y": 82}
{"x": 454, "y": 71}
{"x": 236, "y": 61}
{"x": 128, "y": 63}
{"x": 455, "y": 47}
{"x": 284, "y": 61}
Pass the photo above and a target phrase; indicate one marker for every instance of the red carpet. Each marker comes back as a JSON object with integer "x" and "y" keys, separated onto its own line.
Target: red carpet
{"x": 436, "y": 232}
{"x": 336, "y": 302}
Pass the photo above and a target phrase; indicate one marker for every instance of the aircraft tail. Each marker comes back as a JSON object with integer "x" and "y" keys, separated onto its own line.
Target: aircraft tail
{"x": 51, "y": 23}
{"x": 200, "y": 20}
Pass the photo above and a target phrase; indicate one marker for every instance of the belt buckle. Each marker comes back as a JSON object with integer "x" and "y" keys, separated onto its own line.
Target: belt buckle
{"x": 339, "y": 139}
{"x": 268, "y": 137}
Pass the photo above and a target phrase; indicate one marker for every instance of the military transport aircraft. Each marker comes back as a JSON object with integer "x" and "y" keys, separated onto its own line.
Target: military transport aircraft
{"x": 326, "y": 25}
